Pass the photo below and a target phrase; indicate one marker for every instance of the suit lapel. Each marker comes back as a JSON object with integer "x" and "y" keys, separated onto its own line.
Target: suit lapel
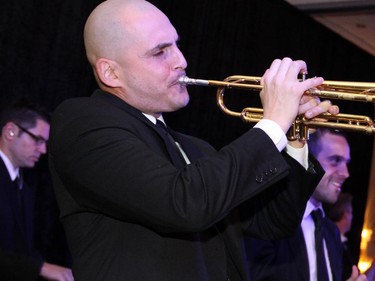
{"x": 333, "y": 245}
{"x": 11, "y": 193}
{"x": 191, "y": 150}
{"x": 173, "y": 150}
{"x": 298, "y": 248}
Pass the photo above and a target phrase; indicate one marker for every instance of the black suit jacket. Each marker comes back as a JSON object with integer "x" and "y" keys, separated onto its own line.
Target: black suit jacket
{"x": 286, "y": 259}
{"x": 130, "y": 214}
{"x": 23, "y": 249}
{"x": 18, "y": 258}
{"x": 347, "y": 261}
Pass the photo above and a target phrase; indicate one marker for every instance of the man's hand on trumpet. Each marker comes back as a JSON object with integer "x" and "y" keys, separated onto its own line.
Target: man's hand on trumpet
{"x": 283, "y": 93}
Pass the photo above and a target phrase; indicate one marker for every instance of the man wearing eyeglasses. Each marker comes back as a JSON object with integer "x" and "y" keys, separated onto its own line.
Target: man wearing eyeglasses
{"x": 24, "y": 136}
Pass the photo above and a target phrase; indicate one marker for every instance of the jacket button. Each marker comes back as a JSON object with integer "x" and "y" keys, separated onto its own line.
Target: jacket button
{"x": 259, "y": 178}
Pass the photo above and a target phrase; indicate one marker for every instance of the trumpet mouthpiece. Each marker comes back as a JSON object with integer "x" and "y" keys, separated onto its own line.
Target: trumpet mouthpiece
{"x": 184, "y": 81}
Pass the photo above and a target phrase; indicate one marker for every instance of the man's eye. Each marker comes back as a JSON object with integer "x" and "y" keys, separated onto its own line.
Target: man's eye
{"x": 335, "y": 161}
{"x": 159, "y": 53}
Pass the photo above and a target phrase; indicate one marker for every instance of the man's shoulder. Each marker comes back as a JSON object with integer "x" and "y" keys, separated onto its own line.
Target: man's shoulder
{"x": 99, "y": 106}
{"x": 332, "y": 227}
{"x": 81, "y": 103}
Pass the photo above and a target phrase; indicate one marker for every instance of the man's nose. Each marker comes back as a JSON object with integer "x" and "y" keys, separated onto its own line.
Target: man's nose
{"x": 42, "y": 148}
{"x": 344, "y": 171}
{"x": 181, "y": 62}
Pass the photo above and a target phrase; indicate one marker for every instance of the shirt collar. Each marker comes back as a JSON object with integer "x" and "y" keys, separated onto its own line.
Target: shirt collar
{"x": 13, "y": 172}
{"x": 153, "y": 119}
{"x": 310, "y": 206}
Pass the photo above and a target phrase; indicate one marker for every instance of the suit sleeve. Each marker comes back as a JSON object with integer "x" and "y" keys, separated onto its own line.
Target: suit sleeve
{"x": 19, "y": 267}
{"x": 283, "y": 204}
{"x": 120, "y": 170}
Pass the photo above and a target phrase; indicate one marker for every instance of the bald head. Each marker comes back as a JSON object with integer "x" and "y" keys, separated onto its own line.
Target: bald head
{"x": 132, "y": 47}
{"x": 110, "y": 28}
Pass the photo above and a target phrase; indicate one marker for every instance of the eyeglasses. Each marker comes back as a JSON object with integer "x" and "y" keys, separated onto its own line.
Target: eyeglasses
{"x": 38, "y": 139}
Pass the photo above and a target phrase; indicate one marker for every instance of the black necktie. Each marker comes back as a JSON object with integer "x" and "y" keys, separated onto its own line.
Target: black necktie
{"x": 18, "y": 182}
{"x": 320, "y": 256}
{"x": 171, "y": 145}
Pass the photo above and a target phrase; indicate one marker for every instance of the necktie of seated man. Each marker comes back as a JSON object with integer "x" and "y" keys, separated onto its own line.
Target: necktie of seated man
{"x": 320, "y": 256}
{"x": 170, "y": 142}
{"x": 18, "y": 182}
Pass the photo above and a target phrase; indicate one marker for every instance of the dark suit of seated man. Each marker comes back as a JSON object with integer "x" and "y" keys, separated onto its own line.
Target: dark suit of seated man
{"x": 297, "y": 258}
{"x": 26, "y": 209}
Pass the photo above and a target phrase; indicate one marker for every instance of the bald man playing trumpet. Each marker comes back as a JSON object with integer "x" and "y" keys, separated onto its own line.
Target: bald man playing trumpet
{"x": 130, "y": 209}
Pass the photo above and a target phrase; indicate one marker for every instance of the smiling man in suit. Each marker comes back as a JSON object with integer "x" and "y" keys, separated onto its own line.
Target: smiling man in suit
{"x": 299, "y": 257}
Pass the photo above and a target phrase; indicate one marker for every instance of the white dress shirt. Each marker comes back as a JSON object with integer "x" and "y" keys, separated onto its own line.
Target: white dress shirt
{"x": 274, "y": 131}
{"x": 308, "y": 228}
{"x": 13, "y": 172}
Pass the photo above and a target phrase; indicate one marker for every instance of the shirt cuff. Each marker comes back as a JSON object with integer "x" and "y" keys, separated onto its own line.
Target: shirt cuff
{"x": 274, "y": 131}
{"x": 299, "y": 154}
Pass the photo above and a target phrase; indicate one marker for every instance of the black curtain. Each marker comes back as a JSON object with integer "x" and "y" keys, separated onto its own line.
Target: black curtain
{"x": 42, "y": 57}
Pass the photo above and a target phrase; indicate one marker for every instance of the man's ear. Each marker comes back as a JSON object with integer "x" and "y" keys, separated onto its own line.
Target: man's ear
{"x": 106, "y": 71}
{"x": 10, "y": 131}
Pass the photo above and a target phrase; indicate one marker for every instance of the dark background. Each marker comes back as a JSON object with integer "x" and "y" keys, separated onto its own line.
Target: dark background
{"x": 42, "y": 57}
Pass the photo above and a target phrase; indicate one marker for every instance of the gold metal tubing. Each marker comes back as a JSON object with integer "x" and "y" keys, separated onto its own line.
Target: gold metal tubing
{"x": 355, "y": 91}
{"x": 341, "y": 90}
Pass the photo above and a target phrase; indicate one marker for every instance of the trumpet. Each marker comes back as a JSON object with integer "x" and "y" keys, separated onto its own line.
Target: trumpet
{"x": 340, "y": 90}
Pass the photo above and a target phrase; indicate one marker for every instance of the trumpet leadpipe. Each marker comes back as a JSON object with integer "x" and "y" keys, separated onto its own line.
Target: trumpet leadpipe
{"x": 339, "y": 90}
{"x": 241, "y": 83}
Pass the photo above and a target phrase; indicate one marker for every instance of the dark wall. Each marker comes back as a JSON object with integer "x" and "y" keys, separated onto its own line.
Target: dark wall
{"x": 42, "y": 57}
